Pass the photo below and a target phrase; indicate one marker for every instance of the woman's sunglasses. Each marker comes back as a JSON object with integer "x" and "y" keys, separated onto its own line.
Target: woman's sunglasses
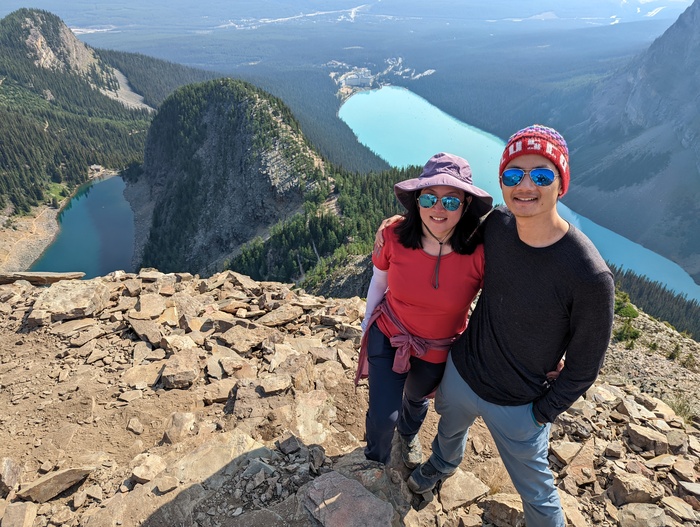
{"x": 542, "y": 177}
{"x": 450, "y": 203}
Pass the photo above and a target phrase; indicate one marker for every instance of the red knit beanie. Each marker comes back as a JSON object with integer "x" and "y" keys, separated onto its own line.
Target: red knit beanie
{"x": 543, "y": 141}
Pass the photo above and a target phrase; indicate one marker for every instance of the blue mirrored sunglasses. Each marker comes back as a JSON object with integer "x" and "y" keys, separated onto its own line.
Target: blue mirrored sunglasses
{"x": 542, "y": 177}
{"x": 450, "y": 203}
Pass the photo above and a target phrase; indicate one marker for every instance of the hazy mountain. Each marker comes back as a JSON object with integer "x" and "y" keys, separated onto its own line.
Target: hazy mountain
{"x": 637, "y": 158}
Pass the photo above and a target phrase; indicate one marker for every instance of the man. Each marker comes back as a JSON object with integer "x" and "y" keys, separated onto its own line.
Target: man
{"x": 547, "y": 292}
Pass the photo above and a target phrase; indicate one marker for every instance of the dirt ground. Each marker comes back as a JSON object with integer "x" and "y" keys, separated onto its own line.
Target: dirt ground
{"x": 60, "y": 412}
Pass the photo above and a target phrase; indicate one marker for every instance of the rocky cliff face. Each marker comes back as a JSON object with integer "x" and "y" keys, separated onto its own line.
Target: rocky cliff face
{"x": 157, "y": 399}
{"x": 222, "y": 164}
{"x": 638, "y": 156}
{"x": 52, "y": 45}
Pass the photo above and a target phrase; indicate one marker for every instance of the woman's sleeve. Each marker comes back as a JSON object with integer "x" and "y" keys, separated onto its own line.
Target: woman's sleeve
{"x": 375, "y": 293}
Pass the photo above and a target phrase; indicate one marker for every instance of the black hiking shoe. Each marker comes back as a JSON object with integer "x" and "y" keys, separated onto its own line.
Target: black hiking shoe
{"x": 424, "y": 478}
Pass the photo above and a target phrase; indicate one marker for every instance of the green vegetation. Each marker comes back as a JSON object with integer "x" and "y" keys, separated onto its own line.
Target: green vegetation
{"x": 658, "y": 301}
{"x": 55, "y": 123}
{"x": 689, "y": 362}
{"x": 675, "y": 353}
{"x": 294, "y": 247}
{"x": 626, "y": 333}
{"x": 153, "y": 78}
{"x": 310, "y": 94}
{"x": 683, "y": 405}
{"x": 623, "y": 307}
{"x": 55, "y": 193}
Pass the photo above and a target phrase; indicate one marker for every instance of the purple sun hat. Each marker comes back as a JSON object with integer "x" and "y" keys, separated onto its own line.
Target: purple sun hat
{"x": 444, "y": 169}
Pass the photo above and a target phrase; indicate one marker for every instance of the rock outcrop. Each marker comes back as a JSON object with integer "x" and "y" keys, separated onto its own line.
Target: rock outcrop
{"x": 159, "y": 399}
{"x": 53, "y": 46}
{"x": 224, "y": 161}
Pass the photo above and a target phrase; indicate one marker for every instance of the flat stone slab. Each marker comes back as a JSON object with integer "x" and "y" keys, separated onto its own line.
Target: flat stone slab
{"x": 39, "y": 278}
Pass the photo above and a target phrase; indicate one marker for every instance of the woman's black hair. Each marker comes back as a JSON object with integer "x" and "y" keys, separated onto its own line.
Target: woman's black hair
{"x": 468, "y": 233}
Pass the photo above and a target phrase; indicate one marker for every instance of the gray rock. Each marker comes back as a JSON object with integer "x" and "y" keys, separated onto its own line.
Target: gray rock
{"x": 52, "y": 484}
{"x": 181, "y": 370}
{"x": 462, "y": 489}
{"x": 336, "y": 501}
{"x": 68, "y": 300}
{"x": 10, "y": 475}
{"x": 634, "y": 488}
{"x": 503, "y": 510}
{"x": 20, "y": 514}
{"x": 642, "y": 515}
{"x": 147, "y": 467}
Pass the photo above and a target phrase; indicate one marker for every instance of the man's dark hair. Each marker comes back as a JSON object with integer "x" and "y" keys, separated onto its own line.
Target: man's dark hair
{"x": 468, "y": 233}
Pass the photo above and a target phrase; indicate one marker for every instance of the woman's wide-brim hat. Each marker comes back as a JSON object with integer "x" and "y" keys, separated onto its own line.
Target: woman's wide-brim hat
{"x": 445, "y": 169}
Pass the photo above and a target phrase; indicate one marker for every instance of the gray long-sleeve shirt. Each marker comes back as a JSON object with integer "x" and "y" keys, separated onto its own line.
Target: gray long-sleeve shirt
{"x": 536, "y": 305}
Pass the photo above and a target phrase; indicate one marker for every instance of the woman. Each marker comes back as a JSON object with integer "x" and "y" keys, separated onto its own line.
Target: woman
{"x": 425, "y": 278}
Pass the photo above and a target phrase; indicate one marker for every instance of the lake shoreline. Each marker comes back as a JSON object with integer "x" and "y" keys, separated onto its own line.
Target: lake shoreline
{"x": 24, "y": 239}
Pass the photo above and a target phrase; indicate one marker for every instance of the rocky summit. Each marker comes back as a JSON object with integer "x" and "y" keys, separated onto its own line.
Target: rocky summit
{"x": 168, "y": 400}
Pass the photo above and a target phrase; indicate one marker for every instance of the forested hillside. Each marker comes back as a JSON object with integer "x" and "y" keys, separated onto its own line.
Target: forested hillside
{"x": 55, "y": 122}
{"x": 310, "y": 94}
{"x": 306, "y": 248}
{"x": 54, "y": 119}
{"x": 224, "y": 160}
{"x": 658, "y": 301}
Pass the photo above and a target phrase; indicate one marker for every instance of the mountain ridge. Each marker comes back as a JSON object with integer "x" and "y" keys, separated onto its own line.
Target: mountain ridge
{"x": 212, "y": 241}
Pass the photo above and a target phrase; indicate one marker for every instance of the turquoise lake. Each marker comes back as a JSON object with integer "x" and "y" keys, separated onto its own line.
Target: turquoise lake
{"x": 97, "y": 232}
{"x": 405, "y": 129}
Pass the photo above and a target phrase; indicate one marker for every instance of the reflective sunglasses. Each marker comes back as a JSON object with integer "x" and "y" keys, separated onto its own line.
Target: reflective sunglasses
{"x": 542, "y": 177}
{"x": 449, "y": 202}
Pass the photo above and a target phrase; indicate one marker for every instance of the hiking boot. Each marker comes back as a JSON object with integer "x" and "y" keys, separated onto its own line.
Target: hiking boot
{"x": 411, "y": 451}
{"x": 425, "y": 477}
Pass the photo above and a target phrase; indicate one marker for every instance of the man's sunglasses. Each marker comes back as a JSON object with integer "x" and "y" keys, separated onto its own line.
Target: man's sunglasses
{"x": 448, "y": 202}
{"x": 542, "y": 177}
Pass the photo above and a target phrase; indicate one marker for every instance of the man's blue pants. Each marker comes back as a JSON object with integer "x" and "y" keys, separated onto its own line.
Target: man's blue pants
{"x": 522, "y": 443}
